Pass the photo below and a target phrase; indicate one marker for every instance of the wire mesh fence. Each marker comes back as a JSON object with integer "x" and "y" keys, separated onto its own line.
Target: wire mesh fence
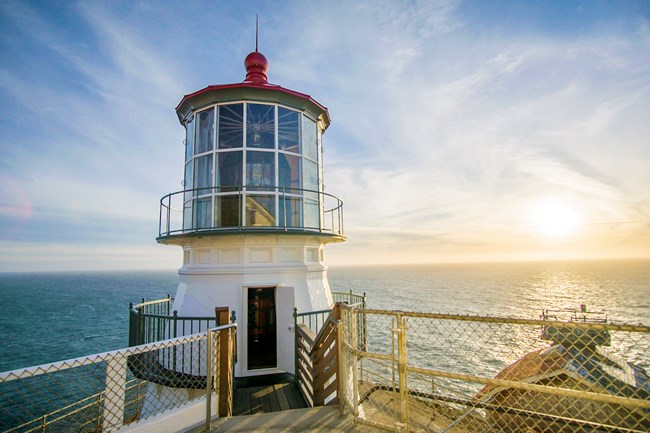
{"x": 454, "y": 373}
{"x": 106, "y": 391}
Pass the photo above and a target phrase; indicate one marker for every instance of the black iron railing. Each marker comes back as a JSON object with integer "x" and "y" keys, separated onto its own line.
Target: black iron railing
{"x": 248, "y": 208}
{"x": 152, "y": 321}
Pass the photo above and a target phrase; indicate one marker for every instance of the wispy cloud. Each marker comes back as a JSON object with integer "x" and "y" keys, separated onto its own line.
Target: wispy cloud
{"x": 447, "y": 128}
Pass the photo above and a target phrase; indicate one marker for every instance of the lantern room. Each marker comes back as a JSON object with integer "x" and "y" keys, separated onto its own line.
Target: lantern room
{"x": 253, "y": 162}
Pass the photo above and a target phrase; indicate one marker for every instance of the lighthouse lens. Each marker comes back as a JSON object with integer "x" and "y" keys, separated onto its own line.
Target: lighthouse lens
{"x": 260, "y": 126}
{"x": 288, "y": 130}
{"x": 231, "y": 126}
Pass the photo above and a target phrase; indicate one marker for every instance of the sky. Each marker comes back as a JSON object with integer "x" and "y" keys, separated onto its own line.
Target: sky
{"x": 461, "y": 130}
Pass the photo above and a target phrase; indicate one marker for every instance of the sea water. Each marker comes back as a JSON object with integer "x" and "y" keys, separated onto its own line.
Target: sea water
{"x": 48, "y": 317}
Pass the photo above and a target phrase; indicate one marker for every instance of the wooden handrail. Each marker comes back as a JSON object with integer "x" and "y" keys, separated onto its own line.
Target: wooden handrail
{"x": 317, "y": 362}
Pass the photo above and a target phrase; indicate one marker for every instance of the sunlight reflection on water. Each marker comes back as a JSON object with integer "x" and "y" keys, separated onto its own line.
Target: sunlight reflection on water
{"x": 523, "y": 290}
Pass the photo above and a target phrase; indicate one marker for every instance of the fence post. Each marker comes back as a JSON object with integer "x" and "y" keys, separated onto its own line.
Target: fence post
{"x": 233, "y": 320}
{"x": 132, "y": 325}
{"x": 174, "y": 351}
{"x": 225, "y": 384}
{"x": 295, "y": 343}
{"x": 341, "y": 366}
{"x": 114, "y": 393}
{"x": 401, "y": 364}
{"x": 98, "y": 424}
{"x": 353, "y": 332}
{"x": 208, "y": 382}
{"x": 140, "y": 330}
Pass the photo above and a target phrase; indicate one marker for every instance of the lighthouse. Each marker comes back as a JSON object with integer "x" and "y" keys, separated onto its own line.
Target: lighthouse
{"x": 253, "y": 217}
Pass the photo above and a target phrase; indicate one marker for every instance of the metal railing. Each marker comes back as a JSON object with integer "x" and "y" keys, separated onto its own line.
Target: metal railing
{"x": 151, "y": 321}
{"x": 292, "y": 212}
{"x": 102, "y": 393}
{"x": 457, "y": 373}
{"x": 314, "y": 320}
{"x": 350, "y": 298}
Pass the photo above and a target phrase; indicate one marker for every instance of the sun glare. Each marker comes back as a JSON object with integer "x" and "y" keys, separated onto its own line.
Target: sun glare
{"x": 555, "y": 219}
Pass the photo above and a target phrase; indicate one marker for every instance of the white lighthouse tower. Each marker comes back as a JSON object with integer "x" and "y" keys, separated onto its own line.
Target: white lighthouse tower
{"x": 253, "y": 218}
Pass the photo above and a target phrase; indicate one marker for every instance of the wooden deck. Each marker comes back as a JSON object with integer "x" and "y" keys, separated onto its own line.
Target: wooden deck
{"x": 267, "y": 398}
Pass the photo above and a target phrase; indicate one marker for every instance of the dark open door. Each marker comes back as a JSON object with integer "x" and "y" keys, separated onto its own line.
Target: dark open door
{"x": 262, "y": 332}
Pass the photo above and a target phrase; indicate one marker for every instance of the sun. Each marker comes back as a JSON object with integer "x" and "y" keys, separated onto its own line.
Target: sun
{"x": 555, "y": 219}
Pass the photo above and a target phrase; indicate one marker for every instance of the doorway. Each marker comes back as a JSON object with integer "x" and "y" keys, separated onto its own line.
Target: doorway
{"x": 262, "y": 329}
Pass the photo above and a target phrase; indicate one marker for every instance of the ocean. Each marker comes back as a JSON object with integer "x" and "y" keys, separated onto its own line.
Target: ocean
{"x": 48, "y": 317}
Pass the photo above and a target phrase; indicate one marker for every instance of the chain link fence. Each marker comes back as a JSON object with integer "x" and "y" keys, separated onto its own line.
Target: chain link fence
{"x": 455, "y": 373}
{"x": 103, "y": 392}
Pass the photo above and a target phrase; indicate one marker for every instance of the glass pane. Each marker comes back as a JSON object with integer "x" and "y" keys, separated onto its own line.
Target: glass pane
{"x": 189, "y": 140}
{"x": 260, "y": 170}
{"x": 290, "y": 212}
{"x": 231, "y": 126}
{"x": 288, "y": 130}
{"x": 205, "y": 132}
{"x": 227, "y": 210}
{"x": 289, "y": 166}
{"x": 260, "y": 126}
{"x": 229, "y": 173}
{"x": 203, "y": 174}
{"x": 260, "y": 210}
{"x": 187, "y": 215}
{"x": 309, "y": 138}
{"x": 311, "y": 211}
{"x": 311, "y": 176}
{"x": 202, "y": 213}
{"x": 188, "y": 181}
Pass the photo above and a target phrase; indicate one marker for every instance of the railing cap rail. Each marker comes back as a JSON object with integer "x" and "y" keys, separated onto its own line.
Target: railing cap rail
{"x": 38, "y": 370}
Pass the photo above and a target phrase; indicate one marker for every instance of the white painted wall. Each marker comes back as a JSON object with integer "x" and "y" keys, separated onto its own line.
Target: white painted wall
{"x": 221, "y": 268}
{"x": 187, "y": 417}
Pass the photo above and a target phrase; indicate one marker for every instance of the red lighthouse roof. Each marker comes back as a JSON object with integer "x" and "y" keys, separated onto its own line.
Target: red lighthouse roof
{"x": 254, "y": 87}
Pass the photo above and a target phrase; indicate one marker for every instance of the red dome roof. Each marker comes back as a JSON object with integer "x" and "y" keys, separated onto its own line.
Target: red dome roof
{"x": 256, "y": 67}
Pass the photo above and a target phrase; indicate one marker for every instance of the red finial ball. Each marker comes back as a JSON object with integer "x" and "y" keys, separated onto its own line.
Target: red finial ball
{"x": 256, "y": 67}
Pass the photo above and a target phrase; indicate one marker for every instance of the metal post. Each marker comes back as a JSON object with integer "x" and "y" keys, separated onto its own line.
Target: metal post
{"x": 208, "y": 384}
{"x": 174, "y": 324}
{"x": 353, "y": 332}
{"x": 114, "y": 393}
{"x": 141, "y": 328}
{"x": 342, "y": 367}
{"x": 99, "y": 412}
{"x": 169, "y": 213}
{"x": 295, "y": 343}
{"x": 233, "y": 319}
{"x": 284, "y": 207}
{"x": 401, "y": 363}
{"x": 160, "y": 213}
{"x": 242, "y": 207}
{"x": 132, "y": 325}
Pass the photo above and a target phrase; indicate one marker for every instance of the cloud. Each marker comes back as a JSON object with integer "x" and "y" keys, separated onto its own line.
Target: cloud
{"x": 26, "y": 256}
{"x": 447, "y": 127}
